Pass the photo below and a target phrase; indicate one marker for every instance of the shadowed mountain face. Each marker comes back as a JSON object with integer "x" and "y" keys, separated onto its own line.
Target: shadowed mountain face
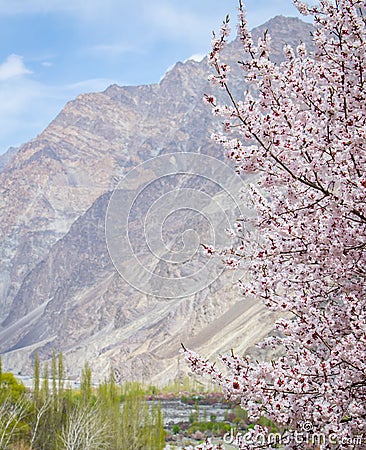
{"x": 58, "y": 286}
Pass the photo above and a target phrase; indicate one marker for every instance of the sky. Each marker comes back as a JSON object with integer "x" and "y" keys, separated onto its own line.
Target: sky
{"x": 53, "y": 50}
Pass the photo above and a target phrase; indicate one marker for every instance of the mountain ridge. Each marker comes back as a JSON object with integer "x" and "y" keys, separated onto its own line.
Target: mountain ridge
{"x": 58, "y": 286}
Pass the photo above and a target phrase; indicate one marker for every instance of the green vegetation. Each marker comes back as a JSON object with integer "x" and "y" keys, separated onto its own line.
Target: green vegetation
{"x": 210, "y": 427}
{"x": 54, "y": 417}
{"x": 141, "y": 428}
{"x": 15, "y": 410}
{"x": 190, "y": 384}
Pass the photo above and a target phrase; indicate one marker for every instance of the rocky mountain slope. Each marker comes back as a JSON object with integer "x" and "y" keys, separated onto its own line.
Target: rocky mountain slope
{"x": 6, "y": 157}
{"x": 58, "y": 286}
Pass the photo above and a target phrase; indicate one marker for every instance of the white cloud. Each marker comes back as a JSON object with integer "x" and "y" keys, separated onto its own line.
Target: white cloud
{"x": 13, "y": 67}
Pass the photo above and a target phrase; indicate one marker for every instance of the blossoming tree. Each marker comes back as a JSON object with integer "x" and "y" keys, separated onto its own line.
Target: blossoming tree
{"x": 303, "y": 132}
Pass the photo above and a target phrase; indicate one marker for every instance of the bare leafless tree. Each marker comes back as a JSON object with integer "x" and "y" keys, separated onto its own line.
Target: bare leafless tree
{"x": 85, "y": 430}
{"x": 12, "y": 419}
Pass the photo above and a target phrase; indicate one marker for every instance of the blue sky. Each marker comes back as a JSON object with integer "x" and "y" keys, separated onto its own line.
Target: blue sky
{"x": 53, "y": 50}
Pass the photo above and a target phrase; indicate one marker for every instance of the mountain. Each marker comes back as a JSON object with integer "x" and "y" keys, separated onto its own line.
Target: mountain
{"x": 58, "y": 286}
{"x": 6, "y": 157}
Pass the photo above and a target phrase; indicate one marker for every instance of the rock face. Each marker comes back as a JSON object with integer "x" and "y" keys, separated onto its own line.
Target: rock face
{"x": 58, "y": 286}
{"x": 6, "y": 157}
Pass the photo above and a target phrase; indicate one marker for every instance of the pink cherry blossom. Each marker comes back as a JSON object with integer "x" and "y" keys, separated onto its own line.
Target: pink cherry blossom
{"x": 303, "y": 139}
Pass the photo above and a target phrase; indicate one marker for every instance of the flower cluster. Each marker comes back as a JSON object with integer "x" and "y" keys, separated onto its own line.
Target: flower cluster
{"x": 304, "y": 138}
